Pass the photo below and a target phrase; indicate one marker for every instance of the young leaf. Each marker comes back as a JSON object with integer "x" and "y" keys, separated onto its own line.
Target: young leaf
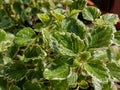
{"x": 57, "y": 73}
{"x": 91, "y": 13}
{"x": 25, "y": 36}
{"x": 83, "y": 84}
{"x": 44, "y": 17}
{"x": 97, "y": 69}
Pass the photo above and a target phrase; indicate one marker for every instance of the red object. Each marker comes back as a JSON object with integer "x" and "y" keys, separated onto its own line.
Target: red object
{"x": 89, "y": 2}
{"x": 116, "y": 9}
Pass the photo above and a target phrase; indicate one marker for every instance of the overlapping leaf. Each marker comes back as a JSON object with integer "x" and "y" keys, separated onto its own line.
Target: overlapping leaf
{"x": 114, "y": 70}
{"x": 67, "y": 43}
{"x": 91, "y": 13}
{"x": 110, "y": 18}
{"x": 97, "y": 69}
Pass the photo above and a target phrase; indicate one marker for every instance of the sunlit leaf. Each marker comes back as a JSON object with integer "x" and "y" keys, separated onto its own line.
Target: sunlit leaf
{"x": 110, "y": 18}
{"x": 44, "y": 17}
{"x": 83, "y": 84}
{"x": 91, "y": 13}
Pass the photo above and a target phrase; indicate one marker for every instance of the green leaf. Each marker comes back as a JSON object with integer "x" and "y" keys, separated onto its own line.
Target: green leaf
{"x": 2, "y": 35}
{"x": 58, "y": 14}
{"x": 100, "y": 37}
{"x": 114, "y": 70}
{"x": 57, "y": 72}
{"x": 72, "y": 80}
{"x": 31, "y": 86}
{"x": 44, "y": 17}
{"x": 74, "y": 12}
{"x": 15, "y": 71}
{"x": 74, "y": 26}
{"x": 117, "y": 37}
{"x": 36, "y": 73}
{"x": 83, "y": 84}
{"x": 97, "y": 69}
{"x": 25, "y": 36}
{"x": 34, "y": 52}
{"x": 110, "y": 18}
{"x": 59, "y": 84}
{"x": 77, "y": 5}
{"x": 101, "y": 54}
{"x": 7, "y": 42}
{"x": 68, "y": 43}
{"x": 91, "y": 13}
{"x": 107, "y": 86}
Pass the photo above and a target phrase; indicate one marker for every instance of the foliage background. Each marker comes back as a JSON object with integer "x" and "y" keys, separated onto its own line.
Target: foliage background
{"x": 57, "y": 45}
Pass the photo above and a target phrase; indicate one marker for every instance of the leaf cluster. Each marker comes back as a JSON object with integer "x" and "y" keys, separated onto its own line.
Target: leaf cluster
{"x": 45, "y": 45}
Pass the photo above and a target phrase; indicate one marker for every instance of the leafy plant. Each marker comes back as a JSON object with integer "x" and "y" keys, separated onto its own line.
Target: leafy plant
{"x": 45, "y": 46}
